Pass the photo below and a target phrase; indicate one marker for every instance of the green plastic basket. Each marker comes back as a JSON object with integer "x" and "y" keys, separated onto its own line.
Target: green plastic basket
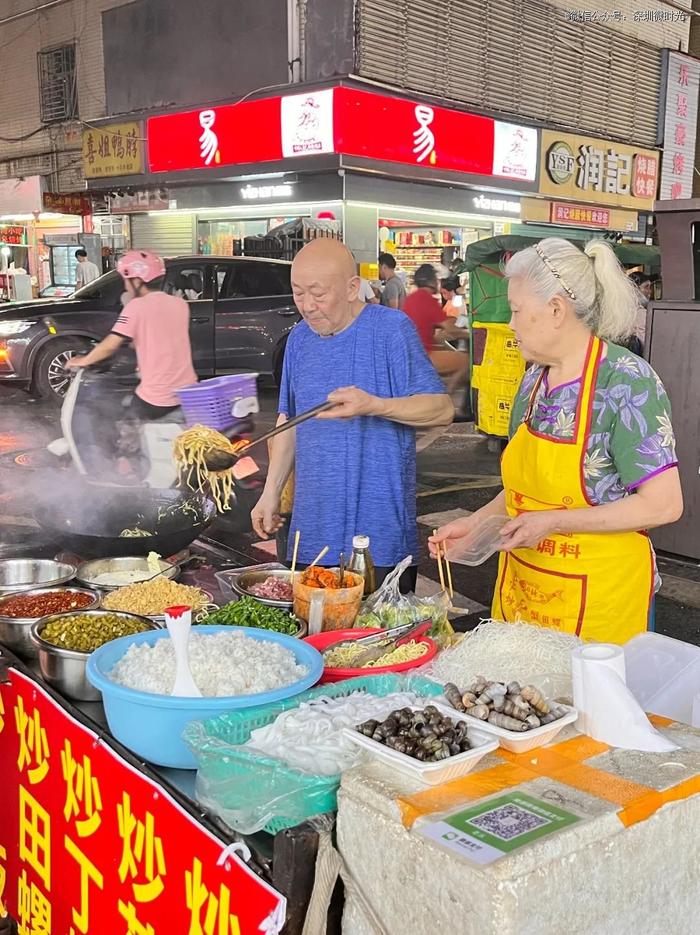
{"x": 250, "y": 791}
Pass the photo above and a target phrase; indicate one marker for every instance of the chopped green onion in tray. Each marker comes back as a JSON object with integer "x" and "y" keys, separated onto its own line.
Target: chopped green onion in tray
{"x": 247, "y": 612}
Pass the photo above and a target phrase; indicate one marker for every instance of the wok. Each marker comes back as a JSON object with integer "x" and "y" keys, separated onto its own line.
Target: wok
{"x": 89, "y": 522}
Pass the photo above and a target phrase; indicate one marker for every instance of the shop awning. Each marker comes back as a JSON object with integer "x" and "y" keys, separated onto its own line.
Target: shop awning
{"x": 493, "y": 249}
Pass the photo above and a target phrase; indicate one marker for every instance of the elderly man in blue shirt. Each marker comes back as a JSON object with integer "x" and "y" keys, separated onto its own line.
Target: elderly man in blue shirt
{"x": 355, "y": 464}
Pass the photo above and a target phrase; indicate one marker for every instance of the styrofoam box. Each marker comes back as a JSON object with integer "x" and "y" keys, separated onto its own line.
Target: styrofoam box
{"x": 511, "y": 740}
{"x": 431, "y": 773}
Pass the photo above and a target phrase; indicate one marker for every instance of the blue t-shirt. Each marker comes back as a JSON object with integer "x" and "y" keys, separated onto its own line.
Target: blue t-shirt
{"x": 356, "y": 476}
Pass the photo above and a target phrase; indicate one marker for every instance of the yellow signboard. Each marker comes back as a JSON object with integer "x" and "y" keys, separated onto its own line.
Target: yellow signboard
{"x": 116, "y": 149}
{"x": 582, "y": 168}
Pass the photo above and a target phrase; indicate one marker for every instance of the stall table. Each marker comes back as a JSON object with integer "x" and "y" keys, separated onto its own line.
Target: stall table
{"x": 629, "y": 865}
{"x": 286, "y": 862}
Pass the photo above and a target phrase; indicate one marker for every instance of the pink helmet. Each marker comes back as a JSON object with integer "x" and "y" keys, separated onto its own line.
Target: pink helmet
{"x": 141, "y": 264}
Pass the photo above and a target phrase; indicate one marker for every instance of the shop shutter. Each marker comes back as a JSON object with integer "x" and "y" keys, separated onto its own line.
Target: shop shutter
{"x": 518, "y": 57}
{"x": 167, "y": 234}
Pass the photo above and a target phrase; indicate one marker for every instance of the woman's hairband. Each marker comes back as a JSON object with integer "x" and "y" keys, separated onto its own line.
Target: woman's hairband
{"x": 552, "y": 269}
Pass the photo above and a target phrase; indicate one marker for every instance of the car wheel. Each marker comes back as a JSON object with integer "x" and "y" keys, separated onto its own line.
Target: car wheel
{"x": 51, "y": 379}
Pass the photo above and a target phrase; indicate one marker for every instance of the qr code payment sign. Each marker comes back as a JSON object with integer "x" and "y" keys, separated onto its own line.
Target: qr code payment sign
{"x": 508, "y": 821}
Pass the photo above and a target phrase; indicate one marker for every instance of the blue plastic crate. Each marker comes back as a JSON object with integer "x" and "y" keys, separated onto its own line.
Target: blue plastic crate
{"x": 234, "y": 782}
{"x": 222, "y": 402}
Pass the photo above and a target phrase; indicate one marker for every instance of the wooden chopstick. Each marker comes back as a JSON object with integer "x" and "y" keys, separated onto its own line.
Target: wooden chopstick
{"x": 320, "y": 555}
{"x": 438, "y": 557}
{"x": 449, "y": 572}
{"x": 296, "y": 550}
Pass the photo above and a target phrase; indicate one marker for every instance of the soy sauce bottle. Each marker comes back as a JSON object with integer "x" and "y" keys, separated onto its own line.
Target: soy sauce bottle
{"x": 361, "y": 563}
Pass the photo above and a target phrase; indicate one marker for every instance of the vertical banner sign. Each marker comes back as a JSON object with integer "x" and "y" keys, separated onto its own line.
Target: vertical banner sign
{"x": 680, "y": 126}
{"x": 88, "y": 844}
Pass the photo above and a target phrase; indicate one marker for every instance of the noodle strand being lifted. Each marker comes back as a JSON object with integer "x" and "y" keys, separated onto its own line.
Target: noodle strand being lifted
{"x": 190, "y": 449}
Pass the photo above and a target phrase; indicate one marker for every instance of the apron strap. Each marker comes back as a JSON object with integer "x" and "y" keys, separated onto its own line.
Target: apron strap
{"x": 588, "y": 381}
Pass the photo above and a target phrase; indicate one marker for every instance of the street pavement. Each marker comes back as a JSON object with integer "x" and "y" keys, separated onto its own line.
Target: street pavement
{"x": 457, "y": 474}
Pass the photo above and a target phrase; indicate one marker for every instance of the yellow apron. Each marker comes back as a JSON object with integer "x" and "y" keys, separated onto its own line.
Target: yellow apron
{"x": 597, "y": 585}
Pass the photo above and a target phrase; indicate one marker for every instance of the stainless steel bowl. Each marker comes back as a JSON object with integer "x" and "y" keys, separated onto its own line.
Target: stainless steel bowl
{"x": 25, "y": 574}
{"x": 241, "y": 582}
{"x": 88, "y": 572}
{"x": 15, "y": 632}
{"x": 64, "y": 669}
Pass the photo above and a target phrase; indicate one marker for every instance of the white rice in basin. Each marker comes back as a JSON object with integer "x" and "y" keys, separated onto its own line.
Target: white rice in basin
{"x": 222, "y": 664}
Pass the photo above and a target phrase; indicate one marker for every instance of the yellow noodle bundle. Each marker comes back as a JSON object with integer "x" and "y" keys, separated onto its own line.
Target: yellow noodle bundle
{"x": 344, "y": 656}
{"x": 190, "y": 450}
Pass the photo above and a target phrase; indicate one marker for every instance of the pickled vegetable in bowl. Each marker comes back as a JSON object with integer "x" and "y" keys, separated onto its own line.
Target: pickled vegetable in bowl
{"x": 84, "y": 633}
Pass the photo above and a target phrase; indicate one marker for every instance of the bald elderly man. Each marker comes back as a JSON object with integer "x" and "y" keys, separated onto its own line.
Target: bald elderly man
{"x": 355, "y": 464}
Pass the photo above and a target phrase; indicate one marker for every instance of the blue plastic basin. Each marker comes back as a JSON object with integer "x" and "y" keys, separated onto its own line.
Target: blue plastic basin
{"x": 151, "y": 725}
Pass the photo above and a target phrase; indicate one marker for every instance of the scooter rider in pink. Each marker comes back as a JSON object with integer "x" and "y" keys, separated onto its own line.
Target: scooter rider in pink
{"x": 157, "y": 324}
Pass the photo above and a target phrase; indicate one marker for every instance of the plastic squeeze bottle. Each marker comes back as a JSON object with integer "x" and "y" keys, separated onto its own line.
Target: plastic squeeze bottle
{"x": 361, "y": 563}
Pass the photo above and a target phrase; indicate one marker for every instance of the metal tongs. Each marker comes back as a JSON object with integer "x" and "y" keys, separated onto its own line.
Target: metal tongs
{"x": 219, "y": 460}
{"x": 380, "y": 643}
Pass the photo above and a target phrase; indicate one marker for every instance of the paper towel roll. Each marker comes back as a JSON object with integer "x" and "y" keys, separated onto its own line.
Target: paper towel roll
{"x": 607, "y": 709}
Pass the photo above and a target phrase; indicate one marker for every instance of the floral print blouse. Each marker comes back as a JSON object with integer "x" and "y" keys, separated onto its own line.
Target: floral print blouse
{"x": 631, "y": 437}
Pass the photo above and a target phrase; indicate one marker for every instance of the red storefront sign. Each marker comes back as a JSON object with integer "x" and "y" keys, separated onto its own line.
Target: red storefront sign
{"x": 344, "y": 121}
{"x": 67, "y": 204}
{"x": 88, "y": 844}
{"x": 226, "y": 136}
{"x": 579, "y": 216}
{"x": 13, "y": 235}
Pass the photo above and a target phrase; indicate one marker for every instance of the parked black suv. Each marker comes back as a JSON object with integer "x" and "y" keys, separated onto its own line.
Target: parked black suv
{"x": 241, "y": 311}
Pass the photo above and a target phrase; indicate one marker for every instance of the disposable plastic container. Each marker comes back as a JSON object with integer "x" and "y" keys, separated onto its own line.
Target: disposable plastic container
{"x": 663, "y": 674}
{"x": 322, "y": 641}
{"x": 250, "y": 791}
{"x": 519, "y": 742}
{"x": 432, "y": 774}
{"x": 480, "y": 543}
{"x": 340, "y": 606}
{"x": 151, "y": 725}
{"x": 222, "y": 402}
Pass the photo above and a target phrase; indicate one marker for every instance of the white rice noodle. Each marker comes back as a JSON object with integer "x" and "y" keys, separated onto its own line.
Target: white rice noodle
{"x": 222, "y": 664}
{"x": 506, "y": 651}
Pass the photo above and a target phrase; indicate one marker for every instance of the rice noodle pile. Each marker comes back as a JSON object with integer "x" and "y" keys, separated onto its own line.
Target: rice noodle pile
{"x": 311, "y": 738}
{"x": 222, "y": 664}
{"x": 504, "y": 651}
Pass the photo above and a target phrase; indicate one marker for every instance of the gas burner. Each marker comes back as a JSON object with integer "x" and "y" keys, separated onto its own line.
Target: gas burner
{"x": 35, "y": 459}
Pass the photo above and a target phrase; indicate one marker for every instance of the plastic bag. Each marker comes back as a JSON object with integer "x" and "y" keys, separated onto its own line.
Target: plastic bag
{"x": 251, "y": 791}
{"x": 388, "y": 608}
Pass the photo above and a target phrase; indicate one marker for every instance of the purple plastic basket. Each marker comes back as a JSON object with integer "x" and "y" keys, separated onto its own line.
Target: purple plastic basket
{"x": 222, "y": 402}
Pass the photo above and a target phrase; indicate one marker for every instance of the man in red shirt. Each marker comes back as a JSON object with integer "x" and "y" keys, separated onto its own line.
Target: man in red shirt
{"x": 427, "y": 315}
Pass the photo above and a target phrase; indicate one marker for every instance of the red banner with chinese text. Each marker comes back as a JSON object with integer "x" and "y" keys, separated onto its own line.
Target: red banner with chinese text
{"x": 88, "y": 844}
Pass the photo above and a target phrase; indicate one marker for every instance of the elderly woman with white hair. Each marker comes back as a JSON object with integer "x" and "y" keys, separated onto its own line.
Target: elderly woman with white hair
{"x": 590, "y": 465}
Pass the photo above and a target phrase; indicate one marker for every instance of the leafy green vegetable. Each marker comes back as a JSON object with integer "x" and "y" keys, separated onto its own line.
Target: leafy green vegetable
{"x": 247, "y": 612}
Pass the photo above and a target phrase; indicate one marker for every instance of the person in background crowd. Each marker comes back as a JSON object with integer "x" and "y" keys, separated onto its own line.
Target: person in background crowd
{"x": 591, "y": 463}
{"x": 366, "y": 293}
{"x": 158, "y": 325}
{"x": 355, "y": 464}
{"x": 635, "y": 342}
{"x": 85, "y": 271}
{"x": 394, "y": 295}
{"x": 645, "y": 286}
{"x": 427, "y": 315}
{"x": 449, "y": 288}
